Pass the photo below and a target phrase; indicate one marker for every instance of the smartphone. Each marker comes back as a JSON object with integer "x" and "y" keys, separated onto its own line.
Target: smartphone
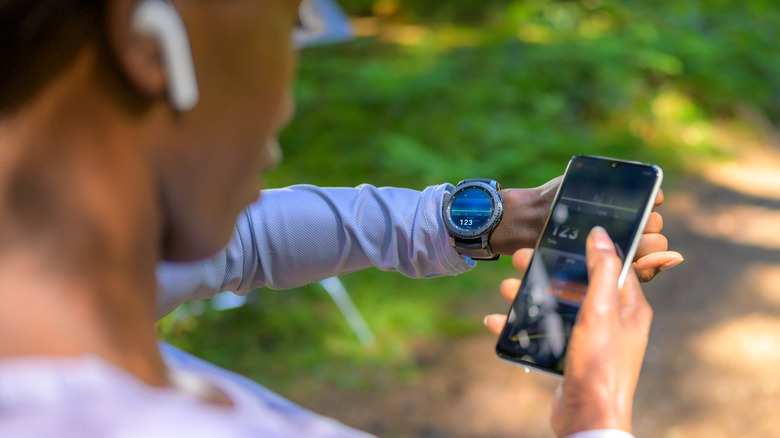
{"x": 615, "y": 194}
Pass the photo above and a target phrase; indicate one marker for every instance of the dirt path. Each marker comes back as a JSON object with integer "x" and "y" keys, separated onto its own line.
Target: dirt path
{"x": 713, "y": 363}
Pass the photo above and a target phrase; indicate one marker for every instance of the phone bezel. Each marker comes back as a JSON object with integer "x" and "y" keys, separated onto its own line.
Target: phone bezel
{"x": 505, "y": 356}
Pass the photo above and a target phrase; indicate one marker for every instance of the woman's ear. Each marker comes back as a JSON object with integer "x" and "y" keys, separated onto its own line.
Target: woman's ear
{"x": 152, "y": 48}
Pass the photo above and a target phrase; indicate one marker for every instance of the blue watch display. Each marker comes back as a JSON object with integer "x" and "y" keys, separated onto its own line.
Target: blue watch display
{"x": 471, "y": 209}
{"x": 470, "y": 214}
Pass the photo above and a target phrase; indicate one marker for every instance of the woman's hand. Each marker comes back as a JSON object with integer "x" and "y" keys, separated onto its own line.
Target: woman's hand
{"x": 525, "y": 211}
{"x": 652, "y": 256}
{"x": 606, "y": 347}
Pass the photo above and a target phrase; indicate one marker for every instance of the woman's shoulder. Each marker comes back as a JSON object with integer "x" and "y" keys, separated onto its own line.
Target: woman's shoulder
{"x": 87, "y": 396}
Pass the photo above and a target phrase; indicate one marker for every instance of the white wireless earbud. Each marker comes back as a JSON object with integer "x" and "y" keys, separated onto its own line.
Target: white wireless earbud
{"x": 159, "y": 19}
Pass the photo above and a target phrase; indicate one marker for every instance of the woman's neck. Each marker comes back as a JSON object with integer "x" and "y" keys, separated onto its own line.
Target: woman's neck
{"x": 45, "y": 311}
{"x": 81, "y": 231}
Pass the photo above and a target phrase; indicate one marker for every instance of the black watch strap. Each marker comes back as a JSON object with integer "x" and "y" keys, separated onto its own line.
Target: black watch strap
{"x": 476, "y": 249}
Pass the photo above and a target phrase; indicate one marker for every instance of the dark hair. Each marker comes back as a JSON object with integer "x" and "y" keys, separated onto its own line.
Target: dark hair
{"x": 39, "y": 38}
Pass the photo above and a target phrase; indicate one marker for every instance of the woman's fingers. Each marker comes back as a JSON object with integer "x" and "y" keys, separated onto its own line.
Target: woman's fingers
{"x": 509, "y": 288}
{"x": 495, "y": 323}
{"x": 647, "y": 267}
{"x": 655, "y": 223}
{"x": 603, "y": 271}
{"x": 650, "y": 243}
{"x": 606, "y": 347}
{"x": 521, "y": 258}
{"x": 659, "y": 199}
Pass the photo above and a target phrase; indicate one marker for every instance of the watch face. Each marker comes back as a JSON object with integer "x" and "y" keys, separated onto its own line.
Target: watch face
{"x": 471, "y": 209}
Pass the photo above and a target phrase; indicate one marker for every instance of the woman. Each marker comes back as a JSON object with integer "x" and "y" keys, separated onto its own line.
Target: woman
{"x": 127, "y": 140}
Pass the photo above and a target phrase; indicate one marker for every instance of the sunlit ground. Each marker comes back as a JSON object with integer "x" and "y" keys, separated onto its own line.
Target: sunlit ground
{"x": 741, "y": 224}
{"x": 713, "y": 363}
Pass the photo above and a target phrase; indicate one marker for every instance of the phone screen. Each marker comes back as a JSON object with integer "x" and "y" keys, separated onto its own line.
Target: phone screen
{"x": 616, "y": 195}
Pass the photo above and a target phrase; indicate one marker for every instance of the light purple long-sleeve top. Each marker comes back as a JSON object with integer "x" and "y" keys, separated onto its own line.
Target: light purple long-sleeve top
{"x": 302, "y": 234}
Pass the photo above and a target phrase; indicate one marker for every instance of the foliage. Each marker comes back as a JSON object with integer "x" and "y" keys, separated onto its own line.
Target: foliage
{"x": 515, "y": 99}
{"x": 505, "y": 89}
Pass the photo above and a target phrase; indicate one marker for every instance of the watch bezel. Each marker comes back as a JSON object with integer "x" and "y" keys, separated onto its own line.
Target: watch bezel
{"x": 492, "y": 222}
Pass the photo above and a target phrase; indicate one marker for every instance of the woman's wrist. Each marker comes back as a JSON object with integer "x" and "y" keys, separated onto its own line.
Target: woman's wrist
{"x": 525, "y": 211}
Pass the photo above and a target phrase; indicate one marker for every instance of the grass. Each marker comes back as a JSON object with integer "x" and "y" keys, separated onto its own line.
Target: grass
{"x": 298, "y": 337}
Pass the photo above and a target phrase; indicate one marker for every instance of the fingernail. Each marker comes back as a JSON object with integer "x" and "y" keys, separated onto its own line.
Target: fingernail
{"x": 601, "y": 239}
{"x": 485, "y": 320}
{"x": 670, "y": 264}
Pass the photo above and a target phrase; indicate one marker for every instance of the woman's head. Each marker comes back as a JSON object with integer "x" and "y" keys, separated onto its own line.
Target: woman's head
{"x": 39, "y": 38}
{"x": 203, "y": 163}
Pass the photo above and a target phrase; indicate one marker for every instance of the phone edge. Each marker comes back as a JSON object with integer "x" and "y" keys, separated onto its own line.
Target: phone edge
{"x": 642, "y": 224}
{"x": 626, "y": 264}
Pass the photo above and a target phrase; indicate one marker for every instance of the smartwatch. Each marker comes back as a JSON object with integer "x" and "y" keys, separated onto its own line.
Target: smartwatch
{"x": 471, "y": 213}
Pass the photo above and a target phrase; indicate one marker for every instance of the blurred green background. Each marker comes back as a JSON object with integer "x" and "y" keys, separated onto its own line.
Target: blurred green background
{"x": 436, "y": 92}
